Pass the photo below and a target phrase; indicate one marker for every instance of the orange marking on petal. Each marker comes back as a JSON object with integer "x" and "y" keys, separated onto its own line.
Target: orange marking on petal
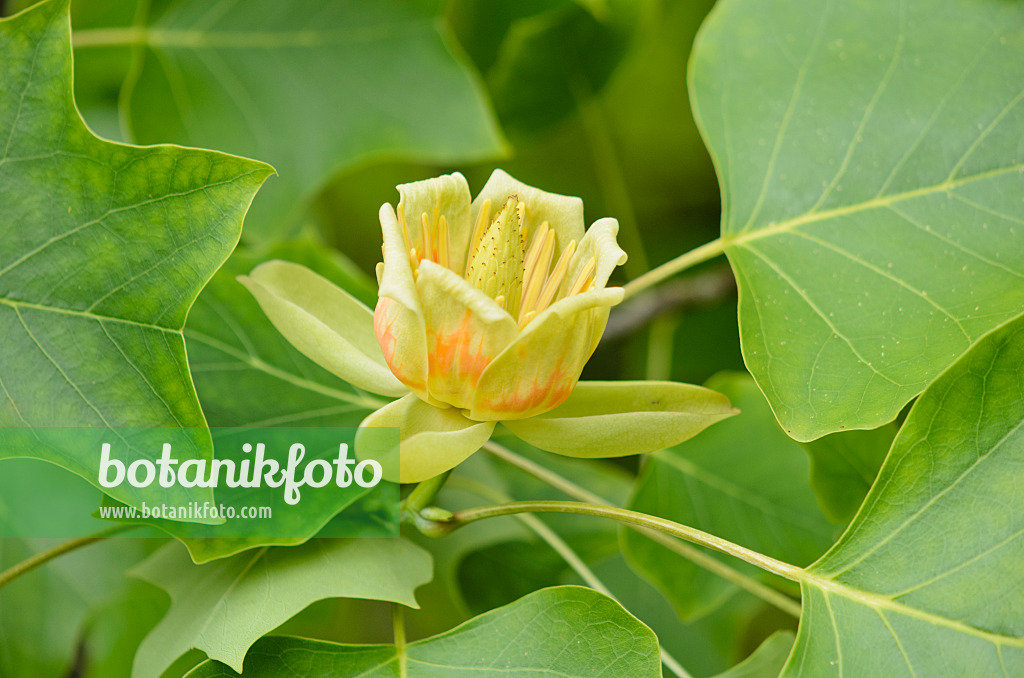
{"x": 384, "y": 318}
{"x": 382, "y": 328}
{"x": 531, "y": 394}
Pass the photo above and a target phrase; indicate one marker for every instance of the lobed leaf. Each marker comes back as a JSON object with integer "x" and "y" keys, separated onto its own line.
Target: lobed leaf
{"x": 103, "y": 249}
{"x": 567, "y": 631}
{"x": 222, "y": 608}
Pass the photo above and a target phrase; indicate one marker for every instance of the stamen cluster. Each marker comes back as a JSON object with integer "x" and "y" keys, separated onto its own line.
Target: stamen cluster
{"x": 504, "y": 260}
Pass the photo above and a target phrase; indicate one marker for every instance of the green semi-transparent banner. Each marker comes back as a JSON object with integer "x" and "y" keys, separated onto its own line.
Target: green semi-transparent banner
{"x": 279, "y": 484}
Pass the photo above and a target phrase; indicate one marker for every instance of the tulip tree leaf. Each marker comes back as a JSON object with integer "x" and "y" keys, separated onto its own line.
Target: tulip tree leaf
{"x": 742, "y": 479}
{"x": 222, "y": 608}
{"x": 313, "y": 87}
{"x": 566, "y": 631}
{"x": 927, "y": 580}
{"x": 871, "y": 173}
{"x": 103, "y": 249}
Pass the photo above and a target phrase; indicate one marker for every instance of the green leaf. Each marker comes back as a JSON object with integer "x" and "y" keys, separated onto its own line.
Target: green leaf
{"x": 315, "y": 88}
{"x": 743, "y": 480}
{"x": 927, "y": 580}
{"x": 618, "y": 418}
{"x": 103, "y": 249}
{"x": 870, "y": 167}
{"x": 326, "y": 323}
{"x": 569, "y": 631}
{"x": 222, "y": 608}
{"x": 843, "y": 467}
{"x": 493, "y": 575}
{"x": 766, "y": 661}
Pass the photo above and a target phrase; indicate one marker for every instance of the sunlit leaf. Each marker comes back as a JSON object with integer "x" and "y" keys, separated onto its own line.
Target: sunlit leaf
{"x": 222, "y": 608}
{"x": 570, "y": 632}
{"x": 927, "y": 580}
{"x": 871, "y": 172}
{"x": 103, "y": 249}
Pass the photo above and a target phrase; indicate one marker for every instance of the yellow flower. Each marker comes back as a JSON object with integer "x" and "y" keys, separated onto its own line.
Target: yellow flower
{"x": 492, "y": 307}
{"x": 487, "y": 312}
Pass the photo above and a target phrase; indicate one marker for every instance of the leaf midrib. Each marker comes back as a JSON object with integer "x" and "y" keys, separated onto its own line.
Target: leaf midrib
{"x": 789, "y": 225}
{"x": 16, "y": 304}
{"x": 879, "y": 602}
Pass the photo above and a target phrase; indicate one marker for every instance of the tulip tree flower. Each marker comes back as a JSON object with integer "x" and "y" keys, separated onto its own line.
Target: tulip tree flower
{"x": 487, "y": 312}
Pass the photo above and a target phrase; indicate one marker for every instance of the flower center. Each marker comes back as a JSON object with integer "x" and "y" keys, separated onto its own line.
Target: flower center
{"x": 504, "y": 261}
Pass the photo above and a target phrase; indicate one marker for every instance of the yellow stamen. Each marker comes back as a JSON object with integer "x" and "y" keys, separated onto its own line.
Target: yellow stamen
{"x": 534, "y": 250}
{"x": 500, "y": 300}
{"x": 525, "y": 320}
{"x": 554, "y": 280}
{"x": 482, "y": 220}
{"x": 533, "y": 280}
{"x": 442, "y": 241}
{"x": 428, "y": 246}
{"x": 530, "y": 262}
{"x": 414, "y": 261}
{"x": 584, "y": 278}
{"x": 401, "y": 222}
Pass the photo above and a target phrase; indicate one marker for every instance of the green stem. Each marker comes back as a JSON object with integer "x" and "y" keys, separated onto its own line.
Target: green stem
{"x": 567, "y": 554}
{"x": 544, "y": 474}
{"x": 398, "y": 624}
{"x": 694, "y": 555}
{"x": 26, "y": 566}
{"x": 670, "y": 268}
{"x": 632, "y": 519}
{"x": 423, "y": 494}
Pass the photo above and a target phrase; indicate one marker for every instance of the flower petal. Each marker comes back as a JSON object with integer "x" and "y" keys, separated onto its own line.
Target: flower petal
{"x": 599, "y": 244}
{"x": 446, "y": 195}
{"x": 564, "y": 214}
{"x": 466, "y": 330}
{"x": 617, "y": 418}
{"x": 432, "y": 440}
{"x": 538, "y": 370}
{"x": 327, "y": 324}
{"x": 396, "y": 278}
{"x": 403, "y": 342}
